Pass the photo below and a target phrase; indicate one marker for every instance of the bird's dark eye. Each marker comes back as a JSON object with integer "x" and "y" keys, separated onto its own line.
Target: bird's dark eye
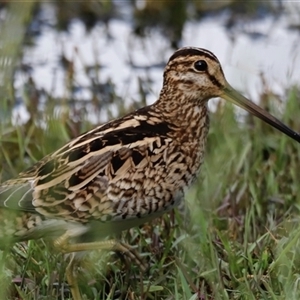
{"x": 200, "y": 65}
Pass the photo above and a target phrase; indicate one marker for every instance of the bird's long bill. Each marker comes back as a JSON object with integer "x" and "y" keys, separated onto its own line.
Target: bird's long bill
{"x": 230, "y": 94}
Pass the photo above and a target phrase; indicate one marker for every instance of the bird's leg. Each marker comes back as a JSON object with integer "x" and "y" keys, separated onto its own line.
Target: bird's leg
{"x": 109, "y": 245}
{"x": 60, "y": 244}
{"x": 63, "y": 244}
{"x": 72, "y": 280}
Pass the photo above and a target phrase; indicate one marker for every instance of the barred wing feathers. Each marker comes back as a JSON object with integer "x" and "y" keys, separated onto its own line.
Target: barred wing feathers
{"x": 97, "y": 176}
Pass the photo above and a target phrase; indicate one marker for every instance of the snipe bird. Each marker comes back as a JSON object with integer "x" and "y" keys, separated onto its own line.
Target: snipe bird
{"x": 125, "y": 172}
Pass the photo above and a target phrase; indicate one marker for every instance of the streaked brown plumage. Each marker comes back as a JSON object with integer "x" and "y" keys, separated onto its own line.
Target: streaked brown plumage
{"x": 127, "y": 171}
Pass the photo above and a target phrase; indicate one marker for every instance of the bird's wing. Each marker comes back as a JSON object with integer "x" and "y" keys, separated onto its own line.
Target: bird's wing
{"x": 74, "y": 179}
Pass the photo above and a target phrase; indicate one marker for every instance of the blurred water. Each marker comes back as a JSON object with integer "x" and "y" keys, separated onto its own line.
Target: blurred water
{"x": 264, "y": 46}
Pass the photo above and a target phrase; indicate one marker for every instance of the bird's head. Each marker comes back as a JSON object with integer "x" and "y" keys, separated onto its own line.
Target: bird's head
{"x": 194, "y": 75}
{"x": 196, "y": 72}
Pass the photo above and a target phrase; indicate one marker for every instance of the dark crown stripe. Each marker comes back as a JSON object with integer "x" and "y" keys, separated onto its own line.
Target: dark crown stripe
{"x": 193, "y": 51}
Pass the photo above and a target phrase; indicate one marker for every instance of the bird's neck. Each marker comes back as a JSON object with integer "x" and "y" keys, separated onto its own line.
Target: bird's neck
{"x": 189, "y": 121}
{"x": 184, "y": 112}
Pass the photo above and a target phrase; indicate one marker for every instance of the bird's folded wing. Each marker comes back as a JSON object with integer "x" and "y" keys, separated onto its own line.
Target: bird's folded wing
{"x": 63, "y": 182}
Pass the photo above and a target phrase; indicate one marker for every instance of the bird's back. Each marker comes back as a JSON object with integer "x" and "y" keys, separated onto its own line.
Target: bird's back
{"x": 114, "y": 177}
